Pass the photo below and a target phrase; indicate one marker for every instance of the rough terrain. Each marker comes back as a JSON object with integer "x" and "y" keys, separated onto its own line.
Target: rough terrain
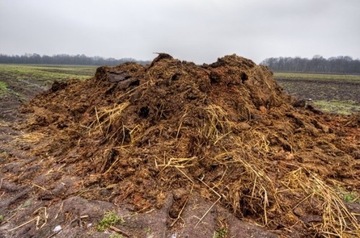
{"x": 179, "y": 150}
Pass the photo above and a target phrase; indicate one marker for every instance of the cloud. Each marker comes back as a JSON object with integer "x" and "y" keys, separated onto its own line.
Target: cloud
{"x": 193, "y": 30}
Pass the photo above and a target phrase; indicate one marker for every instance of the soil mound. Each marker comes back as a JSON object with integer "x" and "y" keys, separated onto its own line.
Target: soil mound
{"x": 224, "y": 131}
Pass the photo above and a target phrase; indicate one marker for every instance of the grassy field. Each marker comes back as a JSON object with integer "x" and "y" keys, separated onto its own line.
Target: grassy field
{"x": 322, "y": 77}
{"x": 19, "y": 83}
{"x": 329, "y": 92}
{"x": 45, "y": 73}
{"x": 340, "y": 107}
{"x": 15, "y": 78}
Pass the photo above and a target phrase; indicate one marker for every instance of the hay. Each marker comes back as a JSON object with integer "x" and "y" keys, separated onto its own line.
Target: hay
{"x": 109, "y": 118}
{"x": 336, "y": 218}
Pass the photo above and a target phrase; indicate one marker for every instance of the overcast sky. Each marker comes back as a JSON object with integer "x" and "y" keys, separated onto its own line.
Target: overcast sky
{"x": 193, "y": 30}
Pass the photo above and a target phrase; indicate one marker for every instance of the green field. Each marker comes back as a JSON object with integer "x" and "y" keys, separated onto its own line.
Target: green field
{"x": 328, "y": 92}
{"x": 19, "y": 83}
{"x": 45, "y": 73}
{"x": 340, "y": 107}
{"x": 18, "y": 78}
{"x": 323, "y": 77}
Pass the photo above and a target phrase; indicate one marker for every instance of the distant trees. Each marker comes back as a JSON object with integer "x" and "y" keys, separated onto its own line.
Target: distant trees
{"x": 63, "y": 59}
{"x": 318, "y": 64}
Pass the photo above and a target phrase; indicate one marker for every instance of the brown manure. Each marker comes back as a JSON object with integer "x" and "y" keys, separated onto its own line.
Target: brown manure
{"x": 225, "y": 131}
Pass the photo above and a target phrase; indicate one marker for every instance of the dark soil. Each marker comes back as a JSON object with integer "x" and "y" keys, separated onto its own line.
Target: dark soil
{"x": 322, "y": 89}
{"x": 179, "y": 150}
{"x": 19, "y": 91}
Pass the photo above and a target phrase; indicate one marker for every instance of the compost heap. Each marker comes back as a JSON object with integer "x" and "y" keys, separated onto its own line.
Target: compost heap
{"x": 225, "y": 131}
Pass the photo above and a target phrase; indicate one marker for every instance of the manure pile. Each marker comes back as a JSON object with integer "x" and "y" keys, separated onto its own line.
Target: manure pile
{"x": 225, "y": 131}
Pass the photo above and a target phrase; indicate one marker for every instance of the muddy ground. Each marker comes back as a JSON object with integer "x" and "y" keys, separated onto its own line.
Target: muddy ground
{"x": 177, "y": 150}
{"x": 322, "y": 89}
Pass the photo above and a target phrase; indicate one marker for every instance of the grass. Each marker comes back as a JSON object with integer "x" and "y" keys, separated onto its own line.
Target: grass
{"x": 115, "y": 235}
{"x": 3, "y": 88}
{"x": 339, "y": 107}
{"x": 1, "y": 218}
{"x": 351, "y": 197}
{"x": 348, "y": 196}
{"x": 221, "y": 233}
{"x": 21, "y": 82}
{"x": 46, "y": 73}
{"x": 109, "y": 219}
{"x": 311, "y": 77}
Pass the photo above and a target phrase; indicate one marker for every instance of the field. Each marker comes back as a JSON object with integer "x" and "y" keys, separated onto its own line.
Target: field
{"x": 328, "y": 92}
{"x": 19, "y": 83}
{"x": 42, "y": 76}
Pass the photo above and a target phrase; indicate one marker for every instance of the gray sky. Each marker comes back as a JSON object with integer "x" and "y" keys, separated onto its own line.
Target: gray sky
{"x": 193, "y": 30}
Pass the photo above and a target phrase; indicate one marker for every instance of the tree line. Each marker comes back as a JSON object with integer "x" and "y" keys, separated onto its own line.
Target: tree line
{"x": 63, "y": 59}
{"x": 318, "y": 64}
